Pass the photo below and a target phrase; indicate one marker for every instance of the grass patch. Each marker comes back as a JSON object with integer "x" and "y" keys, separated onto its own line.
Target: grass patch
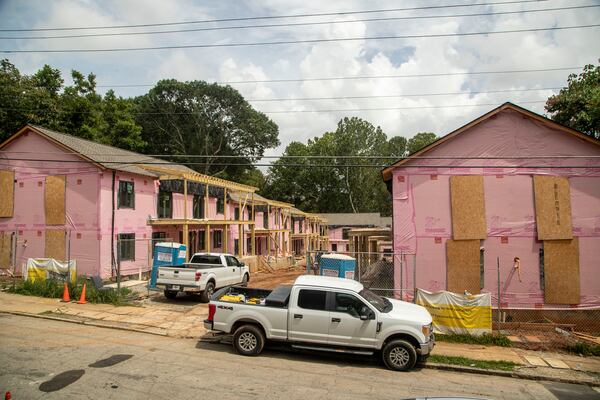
{"x": 53, "y": 288}
{"x": 584, "y": 349}
{"x": 469, "y": 362}
{"x": 485, "y": 339}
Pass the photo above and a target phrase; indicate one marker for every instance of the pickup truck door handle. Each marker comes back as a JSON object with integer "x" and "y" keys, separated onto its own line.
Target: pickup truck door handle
{"x": 336, "y": 320}
{"x": 297, "y": 316}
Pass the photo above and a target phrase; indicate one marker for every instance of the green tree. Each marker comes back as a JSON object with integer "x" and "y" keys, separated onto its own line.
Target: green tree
{"x": 419, "y": 141}
{"x": 336, "y": 183}
{"x": 208, "y": 120}
{"x": 578, "y": 105}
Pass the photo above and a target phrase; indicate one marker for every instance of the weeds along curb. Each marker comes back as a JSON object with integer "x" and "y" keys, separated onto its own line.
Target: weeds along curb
{"x": 429, "y": 365}
{"x": 88, "y": 323}
{"x": 508, "y": 374}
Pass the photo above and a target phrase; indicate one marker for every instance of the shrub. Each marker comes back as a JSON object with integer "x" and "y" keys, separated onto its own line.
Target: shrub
{"x": 485, "y": 339}
{"x": 53, "y": 288}
{"x": 584, "y": 349}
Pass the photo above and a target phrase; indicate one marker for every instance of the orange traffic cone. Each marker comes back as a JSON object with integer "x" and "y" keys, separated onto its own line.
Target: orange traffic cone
{"x": 65, "y": 297}
{"x": 82, "y": 298}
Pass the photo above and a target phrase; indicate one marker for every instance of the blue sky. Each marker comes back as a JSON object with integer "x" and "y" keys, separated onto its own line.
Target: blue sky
{"x": 529, "y": 50}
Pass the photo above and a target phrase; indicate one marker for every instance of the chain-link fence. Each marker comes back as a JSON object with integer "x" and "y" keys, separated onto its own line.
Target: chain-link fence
{"x": 517, "y": 311}
{"x": 134, "y": 258}
{"x": 385, "y": 273}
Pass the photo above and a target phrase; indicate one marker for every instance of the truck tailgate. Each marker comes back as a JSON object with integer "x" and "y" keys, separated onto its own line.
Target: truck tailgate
{"x": 176, "y": 276}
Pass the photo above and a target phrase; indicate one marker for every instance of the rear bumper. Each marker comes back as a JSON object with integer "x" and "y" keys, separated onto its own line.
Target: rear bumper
{"x": 427, "y": 346}
{"x": 208, "y": 325}
{"x": 179, "y": 287}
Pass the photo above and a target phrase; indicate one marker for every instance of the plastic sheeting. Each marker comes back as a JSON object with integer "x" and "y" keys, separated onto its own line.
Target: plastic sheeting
{"x": 456, "y": 313}
{"x": 46, "y": 268}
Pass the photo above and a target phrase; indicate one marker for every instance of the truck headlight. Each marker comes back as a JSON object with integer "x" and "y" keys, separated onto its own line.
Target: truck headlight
{"x": 426, "y": 329}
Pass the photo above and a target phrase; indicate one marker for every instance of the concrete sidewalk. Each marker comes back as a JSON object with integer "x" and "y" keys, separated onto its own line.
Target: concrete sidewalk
{"x": 183, "y": 318}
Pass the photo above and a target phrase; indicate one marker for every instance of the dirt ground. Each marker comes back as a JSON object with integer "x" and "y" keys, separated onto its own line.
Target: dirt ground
{"x": 265, "y": 280}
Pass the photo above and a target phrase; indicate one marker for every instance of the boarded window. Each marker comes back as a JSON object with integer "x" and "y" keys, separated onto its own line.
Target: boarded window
{"x": 561, "y": 271}
{"x": 54, "y": 200}
{"x": 5, "y": 249}
{"x": 7, "y": 193}
{"x": 468, "y": 207}
{"x": 55, "y": 244}
{"x": 552, "y": 207}
{"x": 463, "y": 258}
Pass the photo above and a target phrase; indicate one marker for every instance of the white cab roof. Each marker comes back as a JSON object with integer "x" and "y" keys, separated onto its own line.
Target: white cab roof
{"x": 329, "y": 282}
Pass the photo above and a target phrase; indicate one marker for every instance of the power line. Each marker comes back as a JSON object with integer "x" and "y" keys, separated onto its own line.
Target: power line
{"x": 308, "y": 165}
{"x": 271, "y": 17}
{"x": 290, "y": 25}
{"x": 405, "y": 95}
{"x": 303, "y": 41}
{"x": 26, "y": 94}
{"x": 335, "y": 78}
{"x": 334, "y": 157}
{"x": 278, "y": 111}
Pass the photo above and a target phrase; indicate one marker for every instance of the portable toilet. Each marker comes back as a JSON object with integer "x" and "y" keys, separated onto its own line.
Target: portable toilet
{"x": 166, "y": 253}
{"x": 338, "y": 265}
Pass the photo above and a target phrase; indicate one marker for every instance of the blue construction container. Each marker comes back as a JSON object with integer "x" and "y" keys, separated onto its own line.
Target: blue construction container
{"x": 338, "y": 265}
{"x": 166, "y": 253}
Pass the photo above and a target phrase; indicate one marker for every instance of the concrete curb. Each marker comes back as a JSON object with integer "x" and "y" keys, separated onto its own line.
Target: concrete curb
{"x": 442, "y": 367}
{"x": 508, "y": 374}
{"x": 89, "y": 323}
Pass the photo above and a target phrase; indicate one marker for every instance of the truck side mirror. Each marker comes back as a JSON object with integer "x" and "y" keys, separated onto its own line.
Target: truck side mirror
{"x": 366, "y": 313}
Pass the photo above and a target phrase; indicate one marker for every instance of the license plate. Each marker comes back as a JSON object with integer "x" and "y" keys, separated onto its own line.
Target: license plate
{"x": 175, "y": 287}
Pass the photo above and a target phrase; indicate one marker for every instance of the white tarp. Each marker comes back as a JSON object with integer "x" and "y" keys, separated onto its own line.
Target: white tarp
{"x": 457, "y": 313}
{"x": 45, "y": 268}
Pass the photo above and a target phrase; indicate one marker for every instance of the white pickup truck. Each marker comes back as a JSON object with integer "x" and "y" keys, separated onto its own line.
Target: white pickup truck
{"x": 204, "y": 273}
{"x": 325, "y": 314}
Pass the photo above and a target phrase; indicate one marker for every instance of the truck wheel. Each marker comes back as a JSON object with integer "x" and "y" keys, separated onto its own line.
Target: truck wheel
{"x": 208, "y": 292}
{"x": 245, "y": 280}
{"x": 170, "y": 294}
{"x": 399, "y": 355}
{"x": 248, "y": 340}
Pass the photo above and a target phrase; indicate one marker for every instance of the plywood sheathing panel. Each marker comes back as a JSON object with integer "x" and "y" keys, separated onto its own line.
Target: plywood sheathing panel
{"x": 552, "y": 207}
{"x": 561, "y": 271}
{"x": 54, "y": 200}
{"x": 7, "y": 193}
{"x": 463, "y": 266}
{"x": 5, "y": 249}
{"x": 55, "y": 246}
{"x": 468, "y": 207}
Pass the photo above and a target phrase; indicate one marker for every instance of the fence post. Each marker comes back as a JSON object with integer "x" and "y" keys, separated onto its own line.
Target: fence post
{"x": 401, "y": 279}
{"x": 498, "y": 267}
{"x": 415, "y": 278}
{"x": 118, "y": 267}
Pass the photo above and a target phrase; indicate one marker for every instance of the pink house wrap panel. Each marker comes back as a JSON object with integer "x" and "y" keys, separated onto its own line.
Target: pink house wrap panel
{"x": 422, "y": 219}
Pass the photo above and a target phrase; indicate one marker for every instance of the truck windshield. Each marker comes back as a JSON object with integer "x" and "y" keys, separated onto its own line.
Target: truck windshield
{"x": 380, "y": 303}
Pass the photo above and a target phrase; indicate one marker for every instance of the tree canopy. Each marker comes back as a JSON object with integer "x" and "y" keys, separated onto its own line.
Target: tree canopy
{"x": 208, "y": 120}
{"x": 348, "y": 178}
{"x": 578, "y": 105}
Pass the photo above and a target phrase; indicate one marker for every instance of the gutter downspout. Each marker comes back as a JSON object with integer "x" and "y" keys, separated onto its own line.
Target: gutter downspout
{"x": 112, "y": 226}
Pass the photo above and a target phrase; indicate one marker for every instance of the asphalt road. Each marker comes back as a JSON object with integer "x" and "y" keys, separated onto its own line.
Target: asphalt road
{"x": 49, "y": 359}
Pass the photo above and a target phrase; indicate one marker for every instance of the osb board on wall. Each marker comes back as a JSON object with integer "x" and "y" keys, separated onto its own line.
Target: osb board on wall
{"x": 7, "y": 193}
{"x": 468, "y": 207}
{"x": 463, "y": 266}
{"x": 56, "y": 244}
{"x": 5, "y": 249}
{"x": 552, "y": 207}
{"x": 54, "y": 200}
{"x": 561, "y": 271}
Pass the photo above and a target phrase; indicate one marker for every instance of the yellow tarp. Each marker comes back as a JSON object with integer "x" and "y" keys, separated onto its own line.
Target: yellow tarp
{"x": 457, "y": 313}
{"x": 43, "y": 268}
